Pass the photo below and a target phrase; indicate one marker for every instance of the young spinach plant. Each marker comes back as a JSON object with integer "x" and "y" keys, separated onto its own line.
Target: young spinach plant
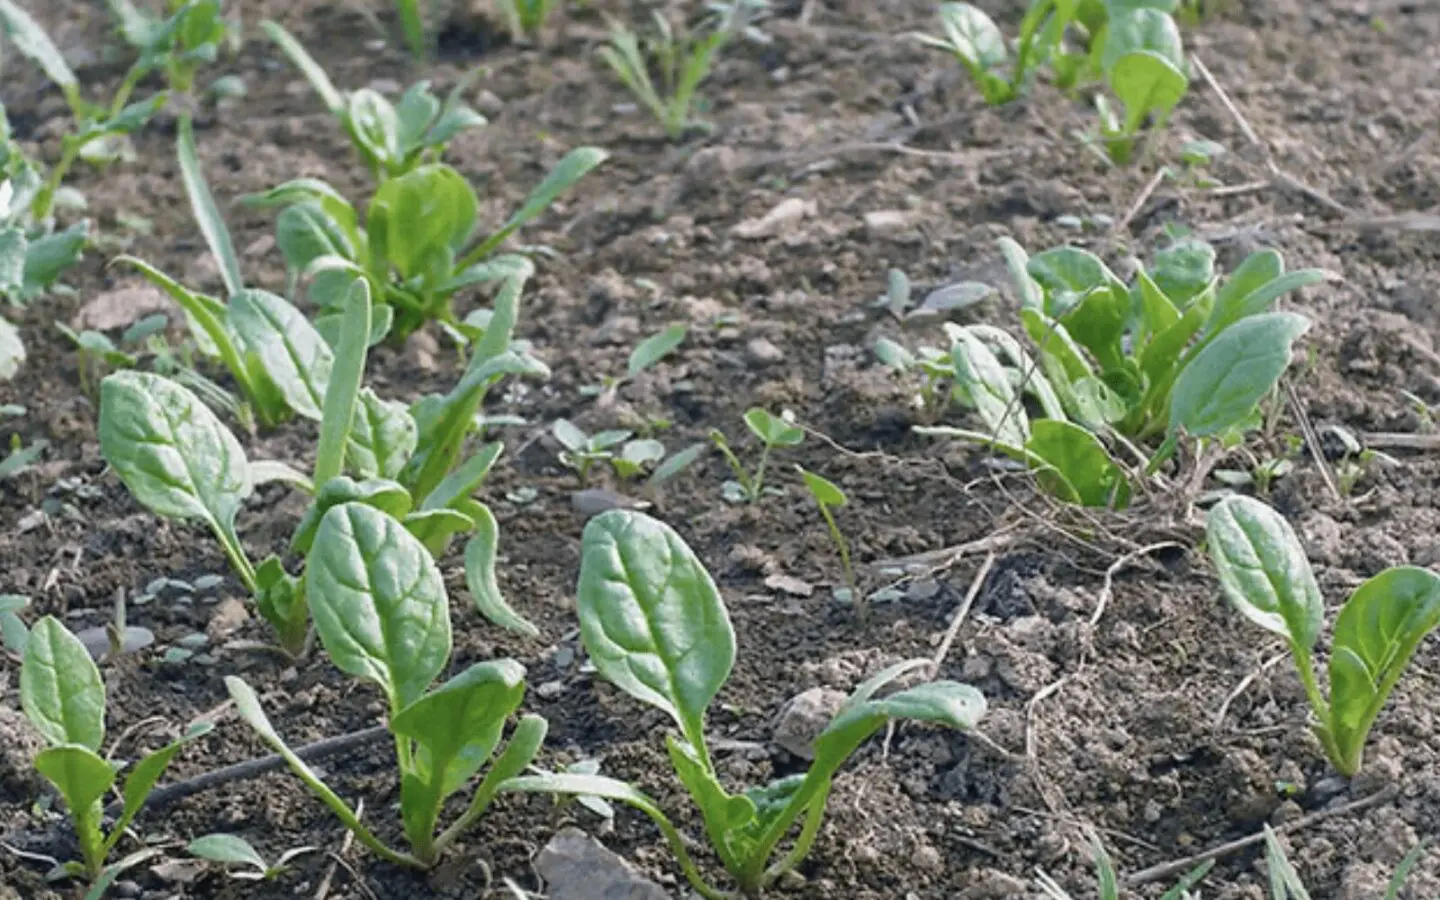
{"x": 580, "y": 451}
{"x": 526, "y": 18}
{"x": 380, "y": 609}
{"x": 654, "y": 625}
{"x": 179, "y": 43}
{"x": 684, "y": 59}
{"x": 1178, "y": 354}
{"x": 420, "y": 243}
{"x": 181, "y": 462}
{"x": 1264, "y": 572}
{"x": 1144, "y": 65}
{"x": 391, "y": 139}
{"x": 63, "y": 696}
{"x": 33, "y": 253}
{"x": 772, "y": 431}
{"x": 828, "y": 497}
{"x": 232, "y": 850}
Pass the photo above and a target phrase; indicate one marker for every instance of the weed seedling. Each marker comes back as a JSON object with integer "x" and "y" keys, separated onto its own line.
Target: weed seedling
{"x": 525, "y": 18}
{"x": 581, "y": 451}
{"x": 772, "y": 431}
{"x": 1109, "y": 879}
{"x": 232, "y": 850}
{"x": 654, "y": 625}
{"x": 828, "y": 497}
{"x": 682, "y": 57}
{"x": 64, "y": 698}
{"x": 380, "y": 609}
{"x": 1264, "y": 572}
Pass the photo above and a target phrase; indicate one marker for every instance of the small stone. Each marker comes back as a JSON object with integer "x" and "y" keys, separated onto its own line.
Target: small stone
{"x": 803, "y": 718}
{"x": 19, "y": 742}
{"x": 549, "y": 690}
{"x": 384, "y": 85}
{"x": 927, "y": 859}
{"x": 888, "y": 223}
{"x": 126, "y": 889}
{"x": 712, "y": 163}
{"x": 230, "y": 616}
{"x": 594, "y": 501}
{"x": 1288, "y": 811}
{"x": 488, "y": 104}
{"x": 564, "y": 658}
{"x": 779, "y": 220}
{"x": 922, "y": 589}
{"x": 122, "y": 307}
{"x": 787, "y": 584}
{"x": 762, "y": 352}
{"x": 259, "y": 247}
{"x": 575, "y": 866}
{"x": 995, "y": 885}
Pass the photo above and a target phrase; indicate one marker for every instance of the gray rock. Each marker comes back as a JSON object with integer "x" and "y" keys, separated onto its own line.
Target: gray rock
{"x": 803, "y": 718}
{"x": 575, "y": 866}
{"x": 762, "y": 352}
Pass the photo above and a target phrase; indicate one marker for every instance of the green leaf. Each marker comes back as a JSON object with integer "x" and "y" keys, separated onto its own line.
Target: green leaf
{"x": 773, "y": 430}
{"x": 141, "y": 780}
{"x": 973, "y": 37}
{"x": 457, "y": 725}
{"x": 172, "y": 452}
{"x": 1082, "y": 461}
{"x": 460, "y": 484}
{"x": 383, "y": 436}
{"x": 280, "y": 600}
{"x": 13, "y": 245}
{"x": 435, "y": 527}
{"x": 228, "y": 849}
{"x": 655, "y": 348}
{"x": 429, "y": 211}
{"x": 1257, "y": 270}
{"x": 207, "y": 215}
{"x": 982, "y": 381}
{"x": 1148, "y": 85}
{"x": 1225, "y": 380}
{"x": 825, "y": 491}
{"x": 1097, "y": 322}
{"x": 47, "y": 258}
{"x": 651, "y": 618}
{"x": 1235, "y": 302}
{"x": 378, "y": 602}
{"x": 480, "y": 578}
{"x": 340, "y": 394}
{"x": 292, "y": 352}
{"x": 574, "y": 166}
{"x": 1376, "y": 635}
{"x": 1066, "y": 274}
{"x": 1263, "y": 569}
{"x": 386, "y": 496}
{"x": 306, "y": 233}
{"x": 32, "y": 41}
{"x": 724, "y": 815}
{"x": 206, "y": 317}
{"x": 1142, "y": 30}
{"x": 60, "y": 687}
{"x": 308, "y": 67}
{"x": 1184, "y": 269}
{"x": 82, "y": 778}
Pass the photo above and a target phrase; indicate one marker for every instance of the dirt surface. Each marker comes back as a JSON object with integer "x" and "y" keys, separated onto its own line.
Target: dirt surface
{"x": 1124, "y": 693}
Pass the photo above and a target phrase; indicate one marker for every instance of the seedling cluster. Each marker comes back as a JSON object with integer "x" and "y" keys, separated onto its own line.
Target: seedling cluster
{"x": 1106, "y": 389}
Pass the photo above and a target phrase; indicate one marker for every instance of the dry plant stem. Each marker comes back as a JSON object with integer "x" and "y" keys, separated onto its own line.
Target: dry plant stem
{"x": 1175, "y": 867}
{"x": 1129, "y": 559}
{"x": 1389, "y": 440}
{"x": 1312, "y": 440}
{"x": 960, "y": 613}
{"x": 1140, "y": 199}
{"x": 254, "y": 768}
{"x": 1244, "y": 685}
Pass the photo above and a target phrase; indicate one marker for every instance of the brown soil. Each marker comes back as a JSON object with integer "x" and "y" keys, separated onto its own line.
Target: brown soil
{"x": 1121, "y": 720}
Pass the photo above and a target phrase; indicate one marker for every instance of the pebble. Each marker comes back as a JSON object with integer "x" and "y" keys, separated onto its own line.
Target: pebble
{"x": 781, "y": 219}
{"x": 762, "y": 352}
{"x": 575, "y": 866}
{"x": 888, "y": 223}
{"x": 802, "y": 719}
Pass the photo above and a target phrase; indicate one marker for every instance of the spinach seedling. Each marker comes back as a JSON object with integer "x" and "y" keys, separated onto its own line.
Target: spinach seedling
{"x": 654, "y": 625}
{"x": 976, "y": 42}
{"x": 525, "y": 18}
{"x": 181, "y": 462}
{"x": 33, "y": 253}
{"x": 232, "y": 850}
{"x": 381, "y": 612}
{"x": 580, "y": 450}
{"x": 1144, "y": 67}
{"x": 935, "y": 368}
{"x": 63, "y": 696}
{"x": 179, "y": 43}
{"x": 683, "y": 58}
{"x": 420, "y": 243}
{"x": 99, "y": 128}
{"x": 391, "y": 139}
{"x": 828, "y": 496}
{"x": 1264, "y": 572}
{"x": 1179, "y": 353}
{"x": 98, "y": 353}
{"x": 772, "y": 431}
{"x": 412, "y": 27}
{"x": 13, "y": 632}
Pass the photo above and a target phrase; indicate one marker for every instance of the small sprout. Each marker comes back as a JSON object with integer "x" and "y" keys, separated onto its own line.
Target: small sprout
{"x": 13, "y": 633}
{"x": 654, "y": 348}
{"x": 636, "y": 456}
{"x": 1109, "y": 879}
{"x": 525, "y": 18}
{"x": 581, "y": 451}
{"x": 772, "y": 431}
{"x": 232, "y": 850}
{"x": 677, "y": 463}
{"x": 684, "y": 59}
{"x": 828, "y": 496}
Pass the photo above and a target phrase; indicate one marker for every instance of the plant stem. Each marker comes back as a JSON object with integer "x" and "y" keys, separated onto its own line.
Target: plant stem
{"x": 70, "y": 150}
{"x": 843, "y": 546}
{"x": 758, "y": 483}
{"x": 813, "y": 817}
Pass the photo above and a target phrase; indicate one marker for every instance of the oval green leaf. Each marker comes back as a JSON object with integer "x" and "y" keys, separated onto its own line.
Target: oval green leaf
{"x": 1225, "y": 380}
{"x": 60, "y": 688}
{"x": 480, "y": 578}
{"x": 1263, "y": 569}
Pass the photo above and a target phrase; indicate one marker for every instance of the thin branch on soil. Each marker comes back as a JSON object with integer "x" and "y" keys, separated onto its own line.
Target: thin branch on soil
{"x": 1134, "y": 209}
{"x": 1129, "y": 559}
{"x": 335, "y": 858}
{"x": 935, "y": 560}
{"x": 1395, "y": 440}
{"x": 1244, "y": 685}
{"x": 960, "y": 613}
{"x": 254, "y": 768}
{"x": 1278, "y": 177}
{"x": 1312, "y": 440}
{"x": 1175, "y": 867}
